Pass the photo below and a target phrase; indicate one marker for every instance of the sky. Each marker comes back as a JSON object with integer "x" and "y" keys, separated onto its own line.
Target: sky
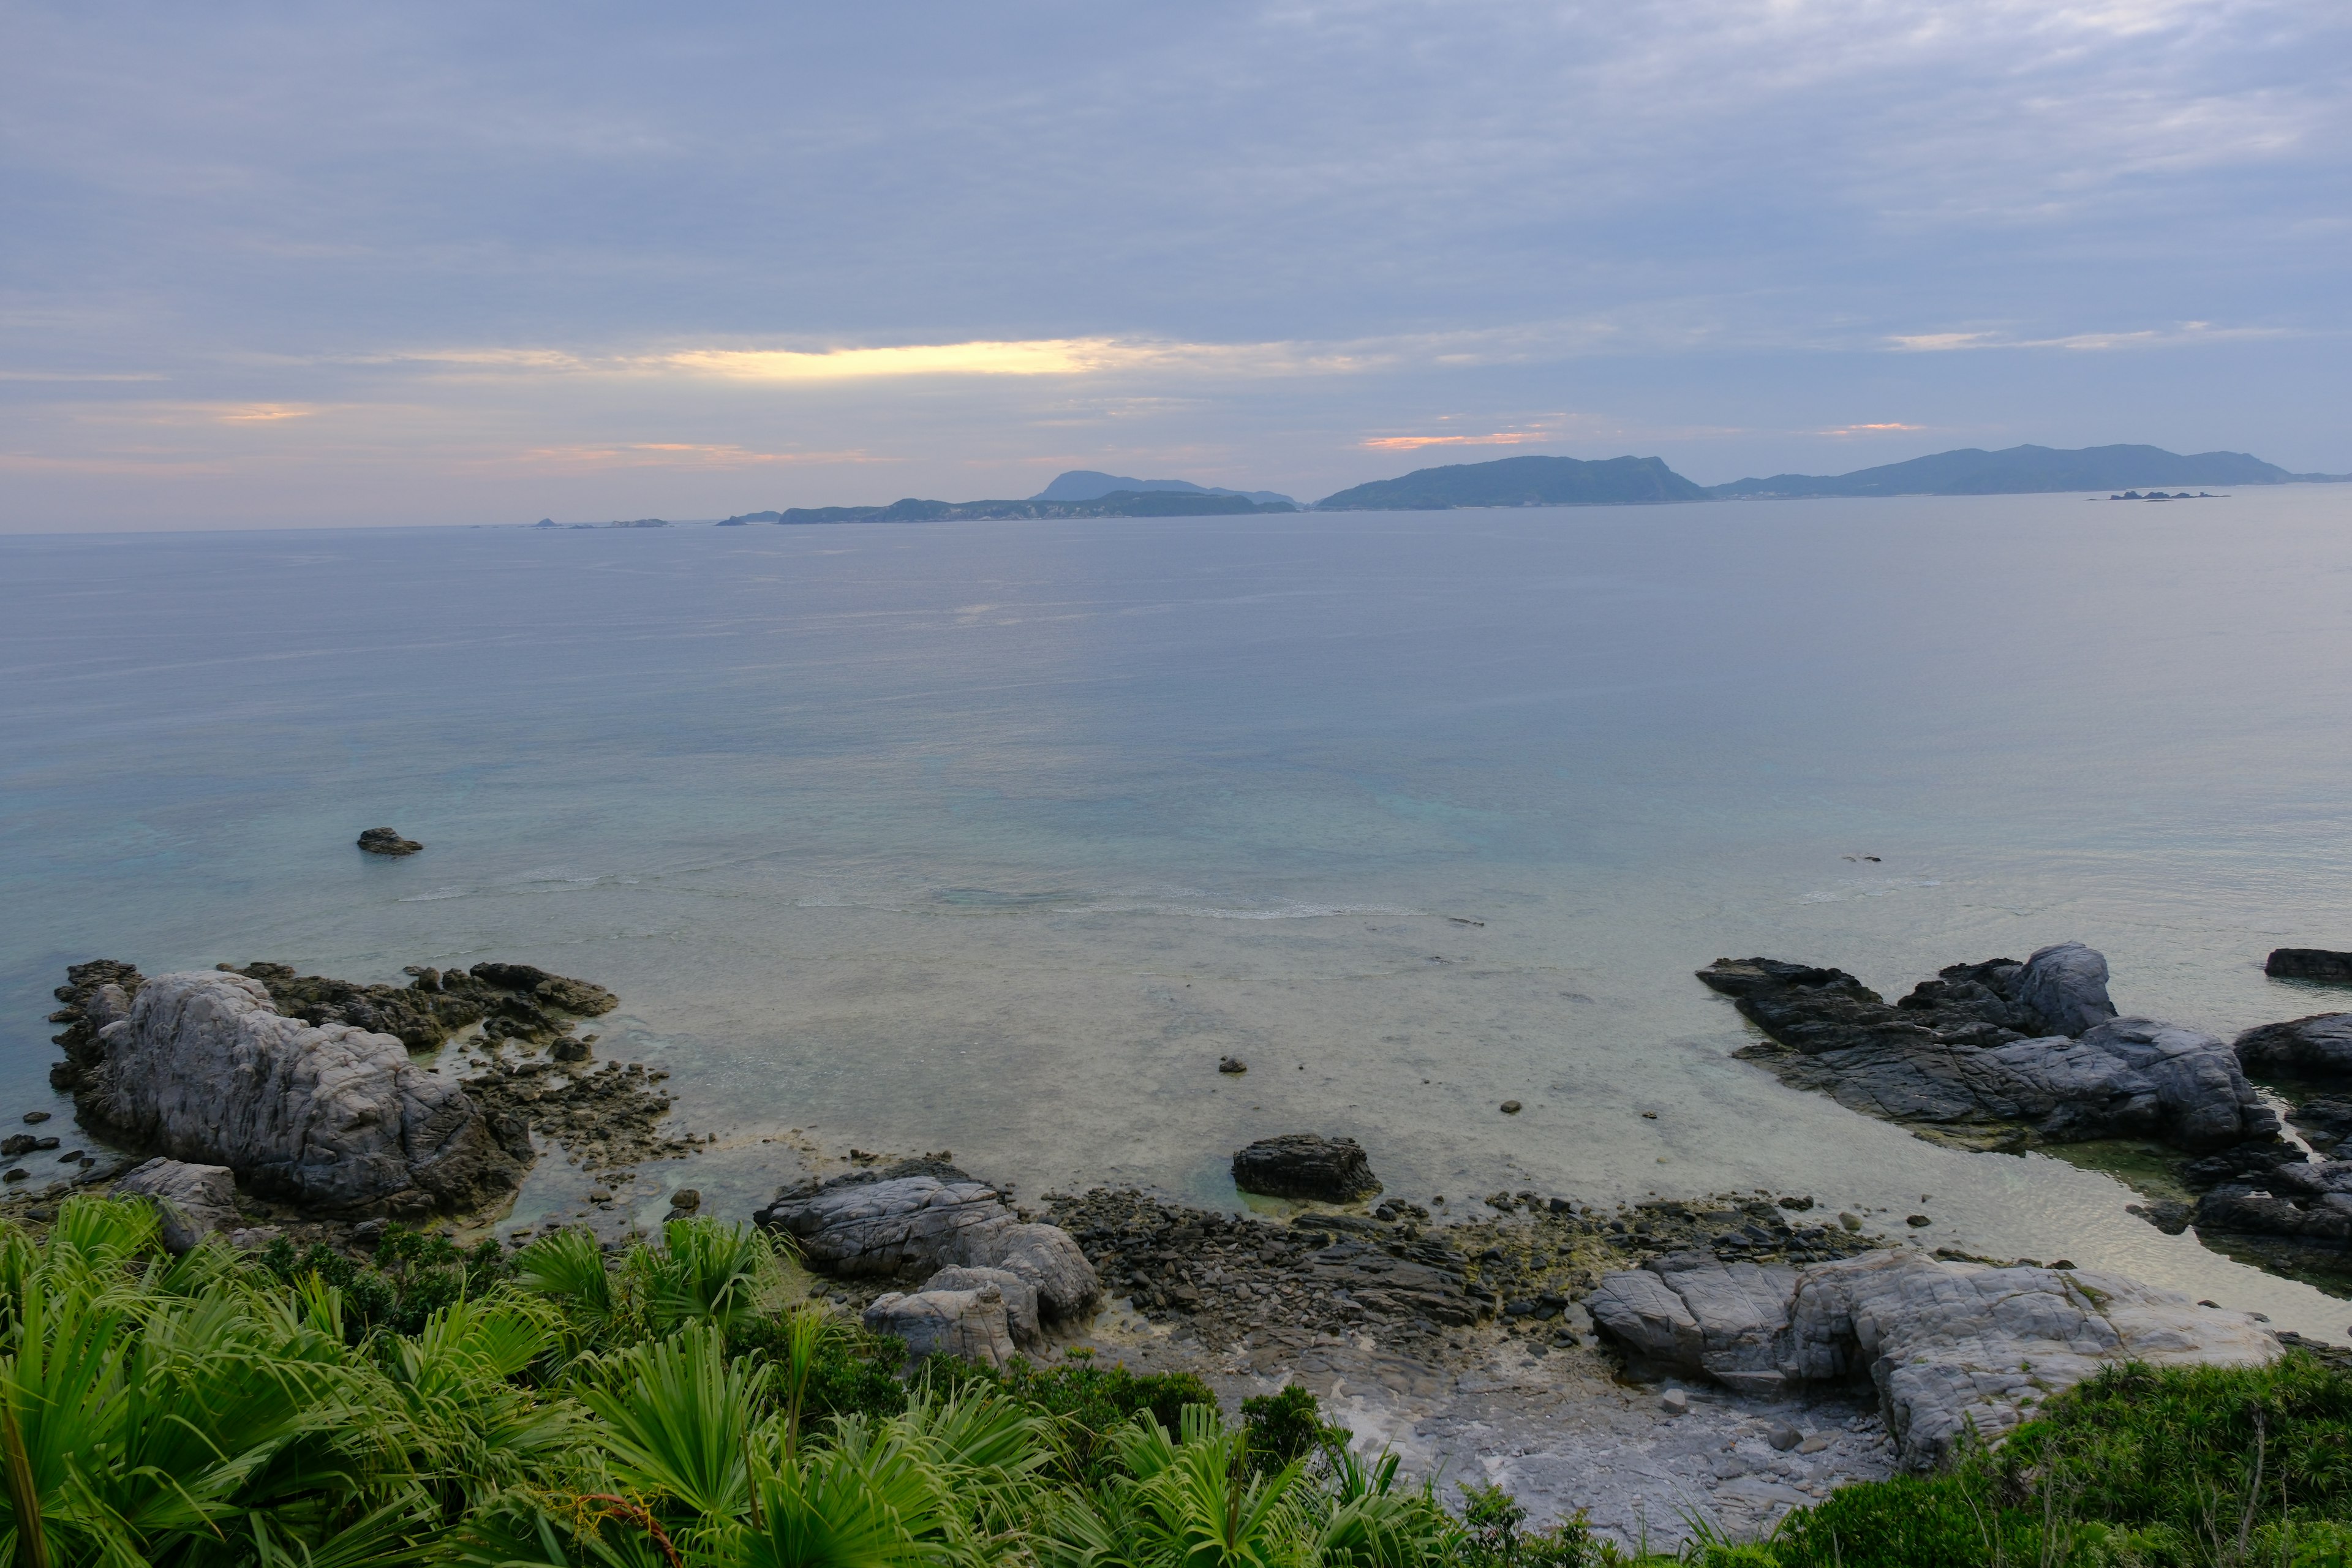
{"x": 297, "y": 266}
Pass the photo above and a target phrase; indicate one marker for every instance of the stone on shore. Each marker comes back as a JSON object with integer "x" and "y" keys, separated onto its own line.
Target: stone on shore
{"x": 2065, "y": 988}
{"x": 1950, "y": 1346}
{"x": 2309, "y": 963}
{"x": 1305, "y": 1165}
{"x": 2319, "y": 1046}
{"x": 204, "y": 1069}
{"x": 387, "y": 841}
{"x": 968, "y": 1324}
{"x": 917, "y": 1224}
{"x": 1020, "y": 1297}
{"x": 194, "y": 1200}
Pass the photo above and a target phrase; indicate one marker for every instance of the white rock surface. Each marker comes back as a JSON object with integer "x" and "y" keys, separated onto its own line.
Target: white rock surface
{"x": 1948, "y": 1345}
{"x": 969, "y": 1323}
{"x": 194, "y": 1201}
{"x": 206, "y": 1070}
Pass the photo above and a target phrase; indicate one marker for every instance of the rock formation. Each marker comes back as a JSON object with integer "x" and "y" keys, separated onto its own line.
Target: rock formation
{"x": 1305, "y": 1165}
{"x": 1950, "y": 1346}
{"x": 202, "y": 1067}
{"x": 2309, "y": 963}
{"x": 1956, "y": 1055}
{"x": 194, "y": 1201}
{"x": 968, "y": 1324}
{"x": 2318, "y": 1048}
{"x": 387, "y": 841}
{"x": 917, "y": 1224}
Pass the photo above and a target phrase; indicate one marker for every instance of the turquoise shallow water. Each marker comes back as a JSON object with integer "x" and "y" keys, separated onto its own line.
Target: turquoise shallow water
{"x": 995, "y": 837}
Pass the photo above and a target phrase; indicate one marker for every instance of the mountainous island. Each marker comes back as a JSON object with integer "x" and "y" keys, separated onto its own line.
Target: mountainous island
{"x": 1078, "y": 494}
{"x": 1520, "y": 481}
{"x": 1084, "y": 484}
{"x": 2027, "y": 471}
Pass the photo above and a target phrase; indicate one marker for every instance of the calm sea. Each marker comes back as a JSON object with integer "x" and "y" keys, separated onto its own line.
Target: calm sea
{"x": 993, "y": 837}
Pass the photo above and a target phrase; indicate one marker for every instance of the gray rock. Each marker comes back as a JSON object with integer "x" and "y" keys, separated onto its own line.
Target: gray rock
{"x": 1020, "y": 1297}
{"x": 194, "y": 1201}
{"x": 204, "y": 1069}
{"x": 1948, "y": 1346}
{"x": 2319, "y": 1046}
{"x": 2065, "y": 988}
{"x": 2202, "y": 1097}
{"x": 387, "y": 841}
{"x": 920, "y": 1225}
{"x": 968, "y": 1324}
{"x": 1703, "y": 1318}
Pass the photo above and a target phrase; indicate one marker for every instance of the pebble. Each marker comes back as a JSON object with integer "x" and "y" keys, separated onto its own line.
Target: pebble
{"x": 1916, "y": 1220}
{"x": 1232, "y": 1065}
{"x": 1783, "y": 1437}
{"x": 1510, "y": 1108}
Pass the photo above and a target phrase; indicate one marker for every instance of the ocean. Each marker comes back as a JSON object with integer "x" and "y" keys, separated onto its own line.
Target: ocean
{"x": 993, "y": 837}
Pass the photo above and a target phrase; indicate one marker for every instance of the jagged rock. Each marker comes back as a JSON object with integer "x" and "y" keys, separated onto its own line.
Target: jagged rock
{"x": 1951, "y": 1053}
{"x": 387, "y": 841}
{"x": 194, "y": 1201}
{"x": 1020, "y": 1297}
{"x": 2319, "y": 1046}
{"x": 1305, "y": 1165}
{"x": 204, "y": 1069}
{"x": 968, "y": 1324}
{"x": 919, "y": 1223}
{"x": 560, "y": 992}
{"x": 2309, "y": 963}
{"x": 1948, "y": 1345}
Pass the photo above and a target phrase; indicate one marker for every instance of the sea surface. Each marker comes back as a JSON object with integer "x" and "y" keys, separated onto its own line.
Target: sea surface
{"x": 993, "y": 837}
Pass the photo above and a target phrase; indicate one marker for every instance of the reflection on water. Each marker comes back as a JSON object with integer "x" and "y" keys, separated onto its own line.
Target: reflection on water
{"x": 1413, "y": 814}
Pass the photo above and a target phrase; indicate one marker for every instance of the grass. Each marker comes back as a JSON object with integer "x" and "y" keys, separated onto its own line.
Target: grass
{"x": 681, "y": 1406}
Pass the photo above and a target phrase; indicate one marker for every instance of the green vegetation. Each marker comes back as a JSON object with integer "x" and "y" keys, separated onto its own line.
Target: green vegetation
{"x": 675, "y": 1407}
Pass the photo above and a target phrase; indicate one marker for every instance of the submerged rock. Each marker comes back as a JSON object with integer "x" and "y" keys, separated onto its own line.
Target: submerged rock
{"x": 1305, "y": 1165}
{"x": 1950, "y": 1346}
{"x": 205, "y": 1069}
{"x": 387, "y": 841}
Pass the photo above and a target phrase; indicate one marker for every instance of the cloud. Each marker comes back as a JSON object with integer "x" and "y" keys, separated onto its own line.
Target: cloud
{"x": 2182, "y": 334}
{"x": 680, "y": 453}
{"x": 1409, "y": 443}
{"x": 1866, "y": 430}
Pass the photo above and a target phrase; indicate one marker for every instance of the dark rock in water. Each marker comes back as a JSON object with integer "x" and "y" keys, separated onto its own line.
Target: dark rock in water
{"x": 2319, "y": 1046}
{"x": 36, "y": 1117}
{"x": 387, "y": 841}
{"x": 17, "y": 1143}
{"x": 556, "y": 991}
{"x": 570, "y": 1048}
{"x": 686, "y": 1200}
{"x": 1305, "y": 1165}
{"x": 2168, "y": 1215}
{"x": 2309, "y": 963}
{"x": 1955, "y": 1055}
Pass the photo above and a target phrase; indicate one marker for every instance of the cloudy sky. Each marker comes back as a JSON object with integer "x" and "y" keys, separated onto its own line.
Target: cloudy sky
{"x": 280, "y": 265}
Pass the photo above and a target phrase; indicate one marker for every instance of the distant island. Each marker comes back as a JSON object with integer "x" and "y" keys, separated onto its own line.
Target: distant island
{"x": 1084, "y": 484}
{"x": 1144, "y": 498}
{"x": 2028, "y": 471}
{"x": 1521, "y": 481}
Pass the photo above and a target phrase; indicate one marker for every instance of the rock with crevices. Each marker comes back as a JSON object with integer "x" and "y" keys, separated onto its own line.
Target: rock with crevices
{"x": 193, "y": 1201}
{"x": 972, "y": 1324}
{"x": 2317, "y": 1048}
{"x": 2309, "y": 963}
{"x": 1020, "y": 1297}
{"x": 387, "y": 841}
{"x": 917, "y": 1224}
{"x": 204, "y": 1070}
{"x": 2065, "y": 986}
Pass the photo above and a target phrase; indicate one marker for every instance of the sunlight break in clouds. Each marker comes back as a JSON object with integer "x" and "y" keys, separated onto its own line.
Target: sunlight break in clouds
{"x": 1866, "y": 430}
{"x": 1409, "y": 442}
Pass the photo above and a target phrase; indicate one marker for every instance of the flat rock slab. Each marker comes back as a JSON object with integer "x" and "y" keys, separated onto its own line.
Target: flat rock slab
{"x": 1948, "y": 1346}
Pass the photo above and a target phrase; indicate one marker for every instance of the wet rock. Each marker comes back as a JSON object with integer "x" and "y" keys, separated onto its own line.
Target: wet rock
{"x": 570, "y": 1048}
{"x": 972, "y": 1324}
{"x": 194, "y": 1201}
{"x": 17, "y": 1143}
{"x": 1021, "y": 1311}
{"x": 35, "y": 1116}
{"x": 1232, "y": 1065}
{"x": 1510, "y": 1108}
{"x": 1951, "y": 1057}
{"x": 2309, "y": 963}
{"x": 206, "y": 1070}
{"x": 387, "y": 841}
{"x": 2168, "y": 1215}
{"x": 1305, "y": 1165}
{"x": 686, "y": 1200}
{"x": 2317, "y": 1048}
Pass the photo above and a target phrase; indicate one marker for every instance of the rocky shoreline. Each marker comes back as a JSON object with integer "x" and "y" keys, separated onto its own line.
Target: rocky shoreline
{"x": 2006, "y": 1057}
{"x": 1537, "y": 1336}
